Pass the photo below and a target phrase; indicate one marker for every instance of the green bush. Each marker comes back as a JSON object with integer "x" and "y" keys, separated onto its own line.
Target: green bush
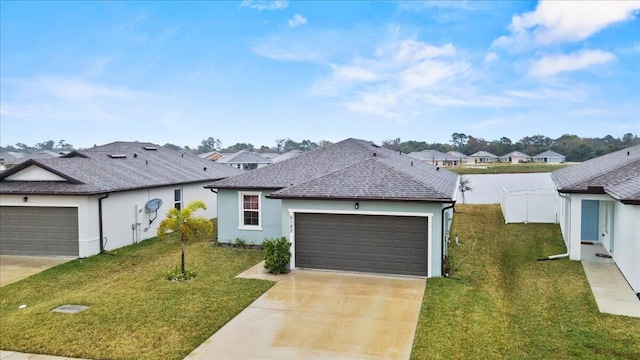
{"x": 175, "y": 274}
{"x": 276, "y": 255}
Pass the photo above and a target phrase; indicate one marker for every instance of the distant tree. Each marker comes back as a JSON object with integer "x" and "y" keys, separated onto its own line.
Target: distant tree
{"x": 172, "y": 146}
{"x": 208, "y": 145}
{"x": 185, "y": 223}
{"x": 459, "y": 141}
{"x": 62, "y": 145}
{"x": 392, "y": 144}
{"x": 264, "y": 149}
{"x": 465, "y": 185}
{"x": 323, "y": 143}
{"x": 280, "y": 143}
{"x": 47, "y": 145}
{"x": 238, "y": 147}
{"x": 307, "y": 145}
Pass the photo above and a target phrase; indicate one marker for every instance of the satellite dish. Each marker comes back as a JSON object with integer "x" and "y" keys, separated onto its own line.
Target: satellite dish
{"x": 153, "y": 204}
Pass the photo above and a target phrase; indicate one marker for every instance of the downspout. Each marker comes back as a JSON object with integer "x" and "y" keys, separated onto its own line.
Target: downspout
{"x": 100, "y": 222}
{"x": 568, "y": 230}
{"x": 442, "y": 256}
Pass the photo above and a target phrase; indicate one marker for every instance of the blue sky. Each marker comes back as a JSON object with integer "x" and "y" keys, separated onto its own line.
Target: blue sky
{"x": 256, "y": 71}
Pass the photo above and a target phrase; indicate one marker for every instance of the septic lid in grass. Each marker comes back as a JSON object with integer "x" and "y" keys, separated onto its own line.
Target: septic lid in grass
{"x": 70, "y": 309}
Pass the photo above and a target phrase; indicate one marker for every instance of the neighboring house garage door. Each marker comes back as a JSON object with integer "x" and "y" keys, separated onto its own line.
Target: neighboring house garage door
{"x": 39, "y": 231}
{"x": 366, "y": 243}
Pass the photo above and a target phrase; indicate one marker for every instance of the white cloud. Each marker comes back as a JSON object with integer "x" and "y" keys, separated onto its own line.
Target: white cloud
{"x": 490, "y": 57}
{"x": 297, "y": 20}
{"x": 551, "y": 65}
{"x": 395, "y": 79}
{"x": 566, "y": 21}
{"x": 265, "y": 4}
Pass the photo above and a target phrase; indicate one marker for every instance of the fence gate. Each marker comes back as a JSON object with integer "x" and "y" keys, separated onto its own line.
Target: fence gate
{"x": 525, "y": 206}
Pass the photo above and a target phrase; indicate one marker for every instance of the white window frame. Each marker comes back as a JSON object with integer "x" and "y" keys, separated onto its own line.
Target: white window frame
{"x": 181, "y": 201}
{"x": 241, "y": 210}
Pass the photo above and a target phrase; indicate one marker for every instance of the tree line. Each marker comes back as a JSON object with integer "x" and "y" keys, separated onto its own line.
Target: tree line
{"x": 575, "y": 148}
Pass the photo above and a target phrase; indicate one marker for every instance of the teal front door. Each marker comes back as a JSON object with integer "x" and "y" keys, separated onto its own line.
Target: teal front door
{"x": 589, "y": 222}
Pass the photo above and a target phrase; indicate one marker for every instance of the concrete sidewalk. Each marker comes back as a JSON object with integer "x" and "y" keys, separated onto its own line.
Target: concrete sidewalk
{"x": 611, "y": 290}
{"x": 12, "y": 355}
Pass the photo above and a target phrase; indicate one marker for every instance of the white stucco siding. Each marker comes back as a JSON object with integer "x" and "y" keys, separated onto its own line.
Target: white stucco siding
{"x": 626, "y": 243}
{"x": 126, "y": 221}
{"x": 124, "y": 217}
{"x": 574, "y": 214}
{"x": 88, "y": 234}
{"x": 35, "y": 173}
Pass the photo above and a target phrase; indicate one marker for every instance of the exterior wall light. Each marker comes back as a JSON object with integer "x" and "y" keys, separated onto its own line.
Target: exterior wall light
{"x": 25, "y": 199}
{"x": 356, "y": 206}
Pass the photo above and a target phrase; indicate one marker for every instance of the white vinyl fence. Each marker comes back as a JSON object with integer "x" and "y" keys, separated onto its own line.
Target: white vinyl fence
{"x": 529, "y": 206}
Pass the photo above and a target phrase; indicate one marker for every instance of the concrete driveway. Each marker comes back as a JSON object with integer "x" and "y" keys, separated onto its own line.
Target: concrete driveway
{"x": 14, "y": 268}
{"x": 314, "y": 314}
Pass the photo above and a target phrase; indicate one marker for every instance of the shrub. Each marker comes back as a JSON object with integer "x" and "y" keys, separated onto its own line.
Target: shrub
{"x": 239, "y": 242}
{"x": 176, "y": 274}
{"x": 276, "y": 255}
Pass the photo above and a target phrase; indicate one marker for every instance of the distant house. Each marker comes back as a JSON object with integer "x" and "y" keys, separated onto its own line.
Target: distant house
{"x": 100, "y": 198}
{"x": 245, "y": 160}
{"x": 483, "y": 157}
{"x": 600, "y": 203}
{"x": 211, "y": 155}
{"x": 515, "y": 157}
{"x": 269, "y": 155}
{"x": 286, "y": 156}
{"x": 10, "y": 159}
{"x": 463, "y": 158}
{"x": 349, "y": 206}
{"x": 435, "y": 157}
{"x": 550, "y": 157}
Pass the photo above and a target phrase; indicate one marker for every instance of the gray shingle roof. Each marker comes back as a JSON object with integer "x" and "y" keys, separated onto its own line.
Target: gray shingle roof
{"x": 458, "y": 154}
{"x": 516, "y": 153}
{"x": 618, "y": 173}
{"x": 482, "y": 153}
{"x": 432, "y": 155}
{"x": 245, "y": 157}
{"x": 549, "y": 154}
{"x": 354, "y": 169}
{"x": 93, "y": 171}
{"x": 286, "y": 156}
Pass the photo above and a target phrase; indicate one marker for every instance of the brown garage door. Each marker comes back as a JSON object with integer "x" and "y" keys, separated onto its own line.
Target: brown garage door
{"x": 38, "y": 231}
{"x": 366, "y": 243}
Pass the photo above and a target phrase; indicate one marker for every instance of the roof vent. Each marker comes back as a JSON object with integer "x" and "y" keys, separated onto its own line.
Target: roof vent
{"x": 135, "y": 156}
{"x": 412, "y": 163}
{"x": 628, "y": 153}
{"x": 118, "y": 156}
{"x": 205, "y": 168}
{"x": 146, "y": 162}
{"x": 150, "y": 148}
{"x": 374, "y": 154}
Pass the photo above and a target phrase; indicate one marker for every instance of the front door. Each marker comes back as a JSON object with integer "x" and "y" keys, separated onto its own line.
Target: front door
{"x": 589, "y": 221}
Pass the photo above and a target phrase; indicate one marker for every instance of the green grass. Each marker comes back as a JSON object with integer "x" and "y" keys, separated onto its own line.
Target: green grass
{"x": 506, "y": 168}
{"x": 134, "y": 312}
{"x": 503, "y": 304}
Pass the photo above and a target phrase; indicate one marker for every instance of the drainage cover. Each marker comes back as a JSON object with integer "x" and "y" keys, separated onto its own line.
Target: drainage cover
{"x": 70, "y": 309}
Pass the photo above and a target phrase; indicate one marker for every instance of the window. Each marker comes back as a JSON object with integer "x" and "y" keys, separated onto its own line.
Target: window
{"x": 250, "y": 214}
{"x": 177, "y": 199}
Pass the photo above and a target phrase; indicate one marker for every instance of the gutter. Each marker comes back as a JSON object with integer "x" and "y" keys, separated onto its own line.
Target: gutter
{"x": 100, "y": 222}
{"x": 442, "y": 256}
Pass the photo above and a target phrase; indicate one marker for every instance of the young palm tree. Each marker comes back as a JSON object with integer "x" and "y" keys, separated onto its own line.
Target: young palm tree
{"x": 186, "y": 224}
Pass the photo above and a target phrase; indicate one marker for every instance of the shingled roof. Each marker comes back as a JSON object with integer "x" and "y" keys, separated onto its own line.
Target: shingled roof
{"x": 245, "y": 157}
{"x": 114, "y": 167}
{"x": 617, "y": 174}
{"x": 350, "y": 169}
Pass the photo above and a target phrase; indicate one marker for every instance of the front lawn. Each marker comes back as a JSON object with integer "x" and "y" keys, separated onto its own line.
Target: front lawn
{"x": 134, "y": 312}
{"x": 506, "y": 168}
{"x": 503, "y": 304}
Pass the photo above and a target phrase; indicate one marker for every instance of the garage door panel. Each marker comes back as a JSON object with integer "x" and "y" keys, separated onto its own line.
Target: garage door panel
{"x": 40, "y": 231}
{"x": 365, "y": 243}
